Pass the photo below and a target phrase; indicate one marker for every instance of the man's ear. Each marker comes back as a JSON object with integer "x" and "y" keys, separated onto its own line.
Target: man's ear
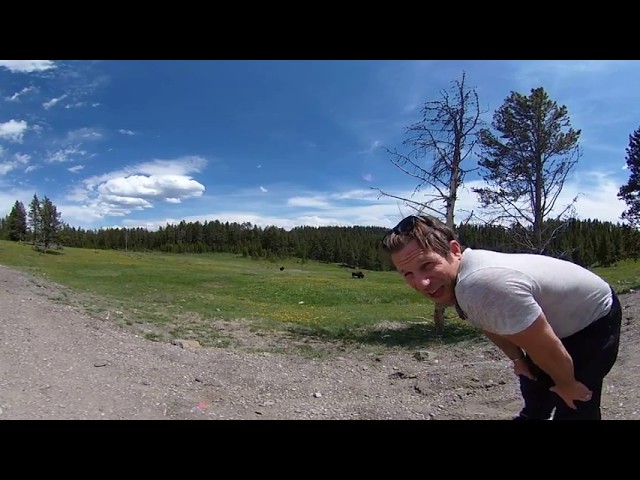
{"x": 455, "y": 247}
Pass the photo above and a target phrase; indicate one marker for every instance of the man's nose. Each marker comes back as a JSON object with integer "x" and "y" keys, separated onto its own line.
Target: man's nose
{"x": 422, "y": 280}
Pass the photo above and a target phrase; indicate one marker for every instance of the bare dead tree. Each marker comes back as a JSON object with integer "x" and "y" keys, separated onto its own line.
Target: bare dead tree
{"x": 438, "y": 145}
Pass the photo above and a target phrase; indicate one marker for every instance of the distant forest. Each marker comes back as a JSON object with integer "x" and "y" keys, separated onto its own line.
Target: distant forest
{"x": 585, "y": 242}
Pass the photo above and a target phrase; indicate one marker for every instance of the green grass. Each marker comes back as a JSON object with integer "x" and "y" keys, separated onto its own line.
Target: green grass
{"x": 185, "y": 295}
{"x": 623, "y": 276}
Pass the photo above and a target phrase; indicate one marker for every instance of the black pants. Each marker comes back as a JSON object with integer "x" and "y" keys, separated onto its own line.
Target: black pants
{"x": 594, "y": 350}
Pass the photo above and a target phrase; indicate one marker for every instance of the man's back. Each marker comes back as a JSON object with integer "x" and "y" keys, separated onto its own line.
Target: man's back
{"x": 505, "y": 292}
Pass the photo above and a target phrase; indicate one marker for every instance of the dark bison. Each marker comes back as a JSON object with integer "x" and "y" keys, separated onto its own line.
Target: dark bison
{"x": 281, "y": 268}
{"x": 357, "y": 275}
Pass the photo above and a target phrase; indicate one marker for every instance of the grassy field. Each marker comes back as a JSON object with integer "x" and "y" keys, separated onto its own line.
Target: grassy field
{"x": 185, "y": 294}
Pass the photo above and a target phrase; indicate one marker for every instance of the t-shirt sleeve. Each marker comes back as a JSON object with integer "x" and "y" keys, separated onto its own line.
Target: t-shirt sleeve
{"x": 499, "y": 300}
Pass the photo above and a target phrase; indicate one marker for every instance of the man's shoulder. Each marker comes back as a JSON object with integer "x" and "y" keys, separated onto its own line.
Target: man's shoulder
{"x": 491, "y": 271}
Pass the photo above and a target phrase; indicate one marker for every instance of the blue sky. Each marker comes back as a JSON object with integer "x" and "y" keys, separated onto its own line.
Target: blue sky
{"x": 143, "y": 143}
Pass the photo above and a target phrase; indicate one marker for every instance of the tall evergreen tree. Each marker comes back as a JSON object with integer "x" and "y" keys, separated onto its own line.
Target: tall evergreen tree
{"x": 630, "y": 192}
{"x": 525, "y": 166}
{"x": 50, "y": 223}
{"x": 34, "y": 218}
{"x": 17, "y": 223}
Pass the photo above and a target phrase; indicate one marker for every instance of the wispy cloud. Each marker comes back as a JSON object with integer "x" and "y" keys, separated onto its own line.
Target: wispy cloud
{"x": 16, "y": 96}
{"x": 81, "y": 105}
{"x": 566, "y": 68}
{"x": 375, "y": 144}
{"x": 17, "y": 161}
{"x": 53, "y": 102}
{"x": 307, "y": 202}
{"x": 262, "y": 189}
{"x": 66, "y": 154}
{"x": 84, "y": 134}
{"x": 27, "y": 65}
{"x": 365, "y": 207}
{"x": 127, "y": 132}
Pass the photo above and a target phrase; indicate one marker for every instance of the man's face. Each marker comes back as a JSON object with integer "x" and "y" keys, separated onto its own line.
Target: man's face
{"x": 429, "y": 273}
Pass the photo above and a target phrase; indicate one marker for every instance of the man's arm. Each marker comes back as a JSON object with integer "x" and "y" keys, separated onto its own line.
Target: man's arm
{"x": 510, "y": 349}
{"x": 546, "y": 350}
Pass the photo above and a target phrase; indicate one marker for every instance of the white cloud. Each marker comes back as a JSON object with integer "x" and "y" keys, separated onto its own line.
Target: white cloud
{"x": 65, "y": 155}
{"x": 53, "y": 102}
{"x": 13, "y": 130}
{"x": 27, "y": 65}
{"x": 153, "y": 186}
{"x": 16, "y": 96}
{"x": 262, "y": 189}
{"x": 127, "y": 132}
{"x": 357, "y": 194}
{"x": 84, "y": 134}
{"x": 596, "y": 192}
{"x": 75, "y": 105}
{"x": 307, "y": 202}
{"x": 22, "y": 158}
{"x": 179, "y": 166}
{"x": 8, "y": 198}
{"x": 138, "y": 187}
{"x": 18, "y": 161}
{"x": 565, "y": 68}
{"x": 364, "y": 208}
{"x": 79, "y": 215}
{"x": 368, "y": 177}
{"x": 6, "y": 167}
{"x": 375, "y": 144}
{"x": 124, "y": 201}
{"x": 76, "y": 168}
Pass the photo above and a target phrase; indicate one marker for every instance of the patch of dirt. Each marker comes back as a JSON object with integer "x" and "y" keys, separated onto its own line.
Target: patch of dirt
{"x": 58, "y": 362}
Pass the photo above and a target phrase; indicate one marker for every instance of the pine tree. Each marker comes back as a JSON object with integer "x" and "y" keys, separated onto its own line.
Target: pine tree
{"x": 630, "y": 192}
{"x": 525, "y": 166}
{"x": 17, "y": 223}
{"x": 50, "y": 223}
{"x": 34, "y": 218}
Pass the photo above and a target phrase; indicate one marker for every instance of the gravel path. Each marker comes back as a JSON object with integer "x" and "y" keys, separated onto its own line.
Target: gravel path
{"x": 57, "y": 362}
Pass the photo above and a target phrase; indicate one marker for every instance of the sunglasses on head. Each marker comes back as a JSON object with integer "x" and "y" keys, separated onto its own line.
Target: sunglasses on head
{"x": 404, "y": 227}
{"x": 407, "y": 224}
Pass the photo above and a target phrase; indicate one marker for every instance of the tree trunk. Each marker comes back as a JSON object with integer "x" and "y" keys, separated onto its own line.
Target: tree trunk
{"x": 438, "y": 319}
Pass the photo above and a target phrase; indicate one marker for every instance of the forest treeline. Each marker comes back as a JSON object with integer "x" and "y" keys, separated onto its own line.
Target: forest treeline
{"x": 585, "y": 242}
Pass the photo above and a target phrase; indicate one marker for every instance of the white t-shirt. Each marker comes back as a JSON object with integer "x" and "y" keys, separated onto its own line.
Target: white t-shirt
{"x": 504, "y": 293}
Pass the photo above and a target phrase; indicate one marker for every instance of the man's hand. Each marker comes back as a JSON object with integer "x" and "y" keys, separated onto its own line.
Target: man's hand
{"x": 521, "y": 367}
{"x": 546, "y": 351}
{"x": 572, "y": 392}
